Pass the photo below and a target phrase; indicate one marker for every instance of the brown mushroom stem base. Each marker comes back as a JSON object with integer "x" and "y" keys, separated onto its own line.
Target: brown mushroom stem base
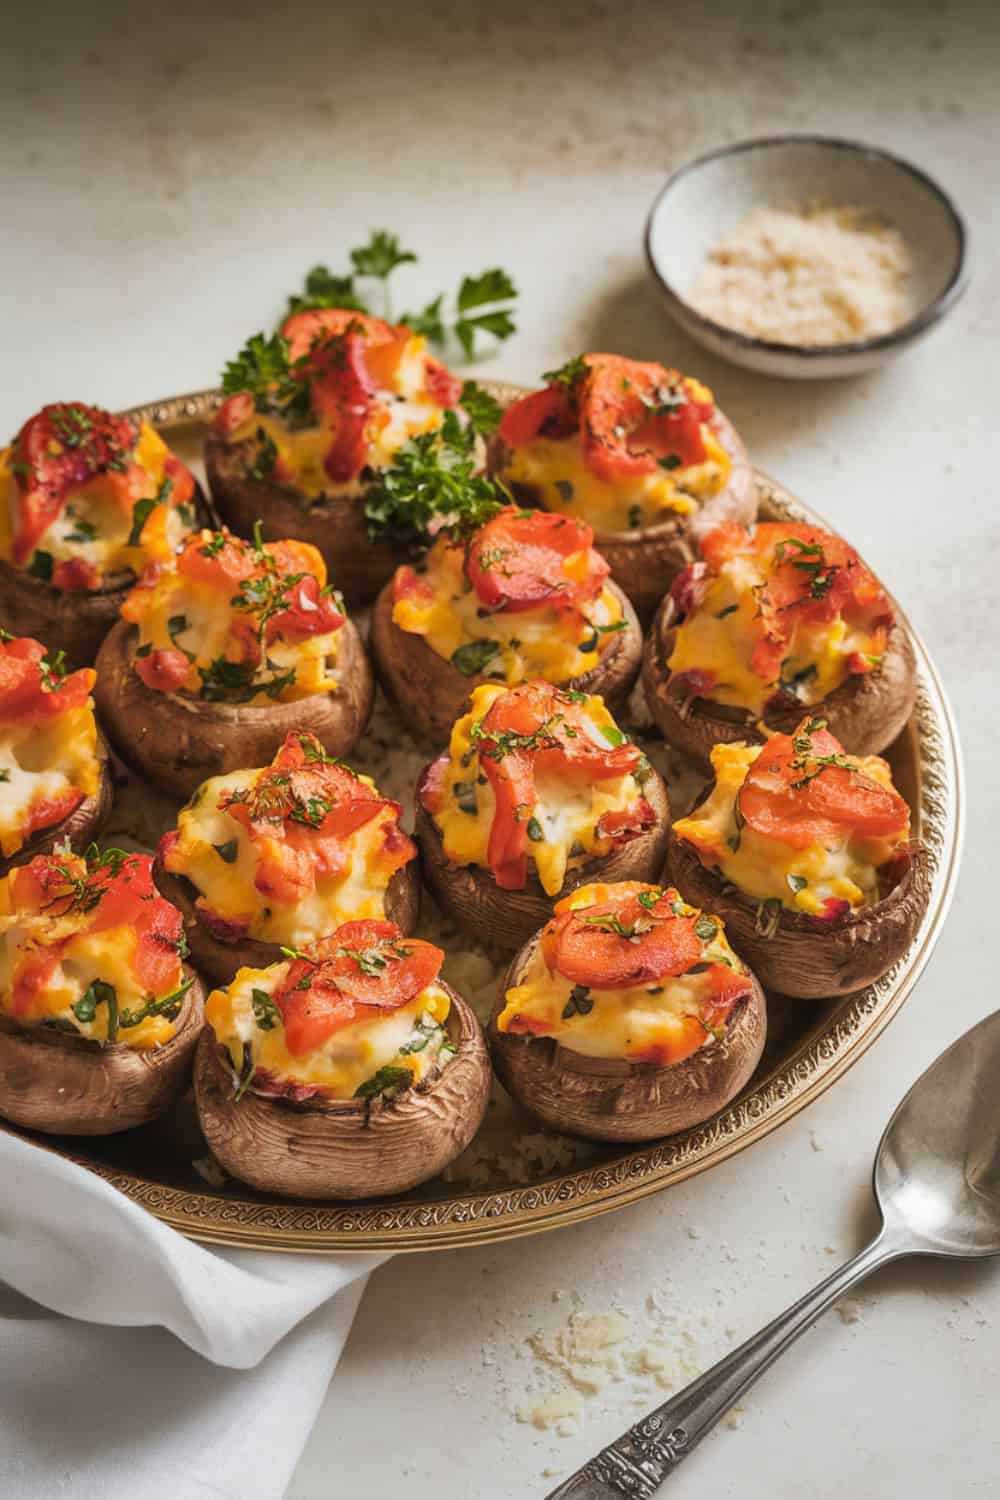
{"x": 806, "y": 958}
{"x": 219, "y": 961}
{"x": 431, "y": 693}
{"x": 609, "y": 1099}
{"x": 67, "y": 1085}
{"x": 178, "y": 742}
{"x": 502, "y": 920}
{"x": 348, "y": 1148}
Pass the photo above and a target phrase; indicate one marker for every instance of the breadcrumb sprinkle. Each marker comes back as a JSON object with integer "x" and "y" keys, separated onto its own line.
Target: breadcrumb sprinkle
{"x": 811, "y": 275}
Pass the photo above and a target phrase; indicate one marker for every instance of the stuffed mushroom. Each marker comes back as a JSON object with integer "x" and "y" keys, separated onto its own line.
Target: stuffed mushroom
{"x": 217, "y": 657}
{"x": 349, "y": 1070}
{"x": 55, "y": 783}
{"x": 88, "y": 500}
{"x": 99, "y": 1016}
{"x": 806, "y": 853}
{"x": 628, "y": 1016}
{"x": 311, "y": 419}
{"x": 769, "y": 623}
{"x": 640, "y": 452}
{"x": 277, "y": 857}
{"x": 525, "y": 596}
{"x": 538, "y": 792}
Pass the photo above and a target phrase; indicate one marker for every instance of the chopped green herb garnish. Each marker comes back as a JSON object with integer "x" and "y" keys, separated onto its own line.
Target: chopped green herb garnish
{"x": 474, "y": 656}
{"x": 228, "y": 851}
{"x": 387, "y": 1081}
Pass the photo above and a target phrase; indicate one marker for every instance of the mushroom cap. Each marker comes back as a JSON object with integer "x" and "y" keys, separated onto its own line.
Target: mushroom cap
{"x": 610, "y": 1099}
{"x": 347, "y": 1148}
{"x": 430, "y": 692}
{"x": 866, "y": 712}
{"x": 79, "y": 827}
{"x": 335, "y": 525}
{"x": 68, "y": 1085}
{"x": 219, "y": 961}
{"x": 804, "y": 958}
{"x": 178, "y": 742}
{"x": 68, "y": 620}
{"x": 502, "y": 920}
{"x": 644, "y": 562}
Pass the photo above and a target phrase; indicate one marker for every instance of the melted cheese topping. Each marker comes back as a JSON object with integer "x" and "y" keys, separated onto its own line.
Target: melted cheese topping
{"x": 767, "y": 870}
{"x": 543, "y": 642}
{"x": 92, "y": 525}
{"x": 628, "y": 1023}
{"x": 555, "y": 470}
{"x": 39, "y": 764}
{"x": 718, "y": 637}
{"x": 107, "y": 957}
{"x": 347, "y": 1059}
{"x": 567, "y": 812}
{"x": 196, "y": 616}
{"x": 227, "y": 886}
{"x": 402, "y": 412}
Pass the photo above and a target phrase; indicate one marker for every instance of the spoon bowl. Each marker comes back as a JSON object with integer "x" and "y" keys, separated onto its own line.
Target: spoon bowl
{"x": 937, "y": 1173}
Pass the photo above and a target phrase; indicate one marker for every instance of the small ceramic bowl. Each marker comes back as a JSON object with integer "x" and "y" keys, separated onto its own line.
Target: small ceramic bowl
{"x": 706, "y": 199}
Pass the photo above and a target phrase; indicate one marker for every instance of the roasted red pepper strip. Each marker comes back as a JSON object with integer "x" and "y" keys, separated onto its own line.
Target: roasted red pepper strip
{"x": 797, "y": 793}
{"x": 363, "y": 969}
{"x": 517, "y": 561}
{"x": 530, "y": 728}
{"x": 58, "y": 450}
{"x": 622, "y": 943}
{"x": 31, "y": 694}
{"x": 811, "y": 577}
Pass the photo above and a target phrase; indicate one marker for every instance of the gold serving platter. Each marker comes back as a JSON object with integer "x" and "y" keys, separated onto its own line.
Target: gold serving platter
{"x": 516, "y": 1179}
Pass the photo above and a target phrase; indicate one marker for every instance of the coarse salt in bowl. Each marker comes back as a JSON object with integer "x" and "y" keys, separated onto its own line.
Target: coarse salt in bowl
{"x": 704, "y": 202}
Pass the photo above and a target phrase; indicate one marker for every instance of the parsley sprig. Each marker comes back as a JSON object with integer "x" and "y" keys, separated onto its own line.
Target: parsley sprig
{"x": 431, "y": 484}
{"x": 482, "y": 304}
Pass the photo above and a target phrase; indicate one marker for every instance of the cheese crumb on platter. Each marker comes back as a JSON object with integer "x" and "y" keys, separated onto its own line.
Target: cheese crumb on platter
{"x": 812, "y": 275}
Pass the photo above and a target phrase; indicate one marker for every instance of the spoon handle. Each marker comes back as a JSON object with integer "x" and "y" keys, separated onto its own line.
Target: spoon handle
{"x": 638, "y": 1462}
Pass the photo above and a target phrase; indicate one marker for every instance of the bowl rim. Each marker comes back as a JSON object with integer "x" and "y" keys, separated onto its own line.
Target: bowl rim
{"x": 929, "y": 314}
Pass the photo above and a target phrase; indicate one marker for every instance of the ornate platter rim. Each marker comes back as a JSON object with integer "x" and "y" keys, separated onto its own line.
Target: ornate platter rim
{"x": 469, "y": 1218}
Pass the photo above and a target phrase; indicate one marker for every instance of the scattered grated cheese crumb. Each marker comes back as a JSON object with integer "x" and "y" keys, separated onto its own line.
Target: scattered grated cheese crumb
{"x": 208, "y": 1168}
{"x": 562, "y": 1410}
{"x": 809, "y": 275}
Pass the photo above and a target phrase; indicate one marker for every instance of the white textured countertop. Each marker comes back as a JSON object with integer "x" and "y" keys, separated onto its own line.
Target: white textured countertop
{"x": 165, "y": 184}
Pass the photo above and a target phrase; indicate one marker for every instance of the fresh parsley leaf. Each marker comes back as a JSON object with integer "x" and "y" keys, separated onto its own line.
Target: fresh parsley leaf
{"x": 670, "y": 461}
{"x": 579, "y": 1002}
{"x": 264, "y": 368}
{"x": 612, "y": 734}
{"x": 568, "y": 374}
{"x": 98, "y": 992}
{"x": 648, "y": 899}
{"x": 474, "y": 656}
{"x": 797, "y": 883}
{"x": 431, "y": 478}
{"x": 707, "y": 929}
{"x": 40, "y": 566}
{"x": 388, "y": 1080}
{"x": 380, "y": 256}
{"x": 430, "y": 323}
{"x": 265, "y": 1011}
{"x": 536, "y": 832}
{"x": 482, "y": 409}
{"x": 267, "y": 455}
{"x": 324, "y": 289}
{"x": 228, "y": 851}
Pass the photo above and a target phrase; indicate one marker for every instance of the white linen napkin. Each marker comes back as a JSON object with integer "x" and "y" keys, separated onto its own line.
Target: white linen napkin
{"x": 147, "y": 1367}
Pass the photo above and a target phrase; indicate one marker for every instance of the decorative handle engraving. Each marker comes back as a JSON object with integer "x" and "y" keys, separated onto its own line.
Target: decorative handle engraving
{"x": 637, "y": 1464}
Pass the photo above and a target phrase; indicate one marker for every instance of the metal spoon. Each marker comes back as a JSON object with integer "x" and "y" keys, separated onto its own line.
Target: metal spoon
{"x": 937, "y": 1186}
